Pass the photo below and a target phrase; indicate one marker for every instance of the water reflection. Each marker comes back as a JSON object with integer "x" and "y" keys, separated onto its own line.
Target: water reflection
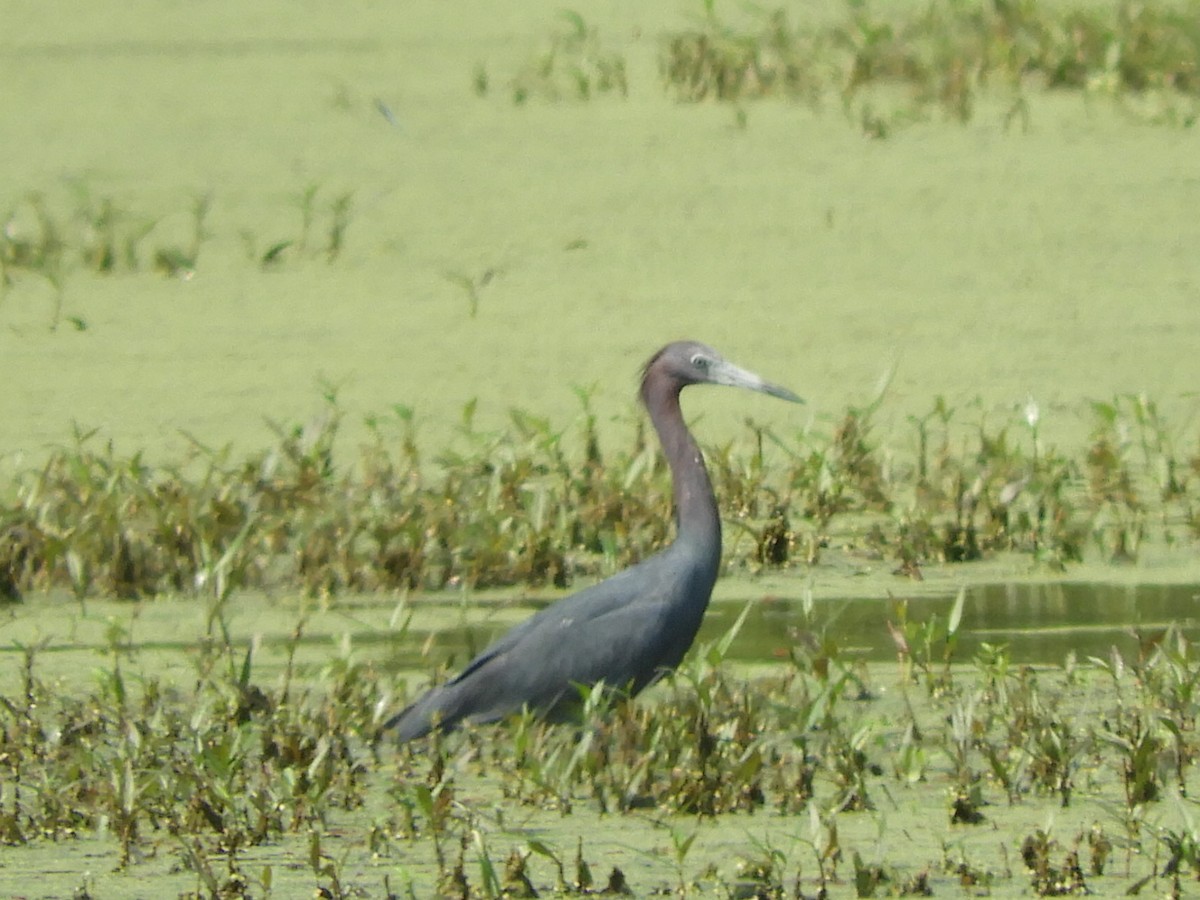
{"x": 1040, "y": 623}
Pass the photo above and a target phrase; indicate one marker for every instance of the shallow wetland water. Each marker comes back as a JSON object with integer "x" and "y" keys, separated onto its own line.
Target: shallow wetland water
{"x": 896, "y": 716}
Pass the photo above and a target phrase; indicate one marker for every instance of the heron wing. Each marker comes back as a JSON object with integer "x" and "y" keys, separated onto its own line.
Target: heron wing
{"x": 637, "y": 586}
{"x": 625, "y": 647}
{"x": 624, "y": 631}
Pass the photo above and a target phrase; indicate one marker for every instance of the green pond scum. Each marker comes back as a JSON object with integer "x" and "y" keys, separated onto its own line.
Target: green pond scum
{"x": 309, "y": 320}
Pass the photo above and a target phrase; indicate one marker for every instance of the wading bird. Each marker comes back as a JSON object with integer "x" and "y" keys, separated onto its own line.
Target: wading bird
{"x": 625, "y": 631}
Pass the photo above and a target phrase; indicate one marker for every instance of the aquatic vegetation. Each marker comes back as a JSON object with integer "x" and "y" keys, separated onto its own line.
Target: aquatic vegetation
{"x": 55, "y": 233}
{"x": 253, "y": 785}
{"x": 943, "y": 56}
{"x": 98, "y": 234}
{"x": 1049, "y": 880}
{"x": 895, "y": 65}
{"x": 1005, "y": 493}
{"x": 521, "y": 506}
{"x": 131, "y": 757}
{"x": 721, "y": 62}
{"x": 575, "y": 65}
{"x": 334, "y": 216}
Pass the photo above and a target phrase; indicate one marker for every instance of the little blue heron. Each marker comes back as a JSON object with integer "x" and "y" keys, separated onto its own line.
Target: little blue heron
{"x": 629, "y": 629}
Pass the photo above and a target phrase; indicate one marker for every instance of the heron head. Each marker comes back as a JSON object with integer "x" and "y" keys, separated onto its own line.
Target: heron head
{"x": 690, "y": 362}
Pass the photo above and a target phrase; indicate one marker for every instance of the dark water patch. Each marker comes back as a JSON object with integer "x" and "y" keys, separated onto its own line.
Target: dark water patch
{"x": 1040, "y": 623}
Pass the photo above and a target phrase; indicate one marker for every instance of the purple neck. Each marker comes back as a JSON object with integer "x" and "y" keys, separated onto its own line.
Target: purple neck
{"x": 697, "y": 519}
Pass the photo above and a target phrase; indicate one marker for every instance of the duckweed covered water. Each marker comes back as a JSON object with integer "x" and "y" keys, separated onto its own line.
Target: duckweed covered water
{"x": 989, "y": 264}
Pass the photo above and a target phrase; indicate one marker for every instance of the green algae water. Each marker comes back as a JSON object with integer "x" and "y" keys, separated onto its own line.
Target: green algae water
{"x": 987, "y": 265}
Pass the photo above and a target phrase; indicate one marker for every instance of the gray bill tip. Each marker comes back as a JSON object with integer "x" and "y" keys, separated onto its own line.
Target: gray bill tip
{"x": 782, "y": 393}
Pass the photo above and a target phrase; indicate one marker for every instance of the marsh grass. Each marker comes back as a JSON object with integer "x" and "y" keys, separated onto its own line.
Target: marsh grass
{"x": 322, "y": 227}
{"x": 540, "y": 505}
{"x": 945, "y": 56}
{"x": 811, "y": 762}
{"x": 575, "y": 65}
{"x": 55, "y": 234}
{"x": 49, "y": 235}
{"x": 217, "y": 772}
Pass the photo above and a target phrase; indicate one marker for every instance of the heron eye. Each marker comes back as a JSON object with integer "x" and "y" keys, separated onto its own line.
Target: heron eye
{"x": 700, "y": 362}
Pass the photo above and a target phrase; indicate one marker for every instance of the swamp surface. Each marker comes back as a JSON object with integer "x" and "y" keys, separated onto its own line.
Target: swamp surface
{"x": 217, "y": 218}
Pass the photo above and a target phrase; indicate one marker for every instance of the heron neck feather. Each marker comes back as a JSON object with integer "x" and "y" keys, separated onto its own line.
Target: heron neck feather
{"x": 697, "y": 519}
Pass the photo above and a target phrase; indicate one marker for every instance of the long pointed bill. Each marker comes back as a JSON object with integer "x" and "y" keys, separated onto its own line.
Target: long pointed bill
{"x": 734, "y": 376}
